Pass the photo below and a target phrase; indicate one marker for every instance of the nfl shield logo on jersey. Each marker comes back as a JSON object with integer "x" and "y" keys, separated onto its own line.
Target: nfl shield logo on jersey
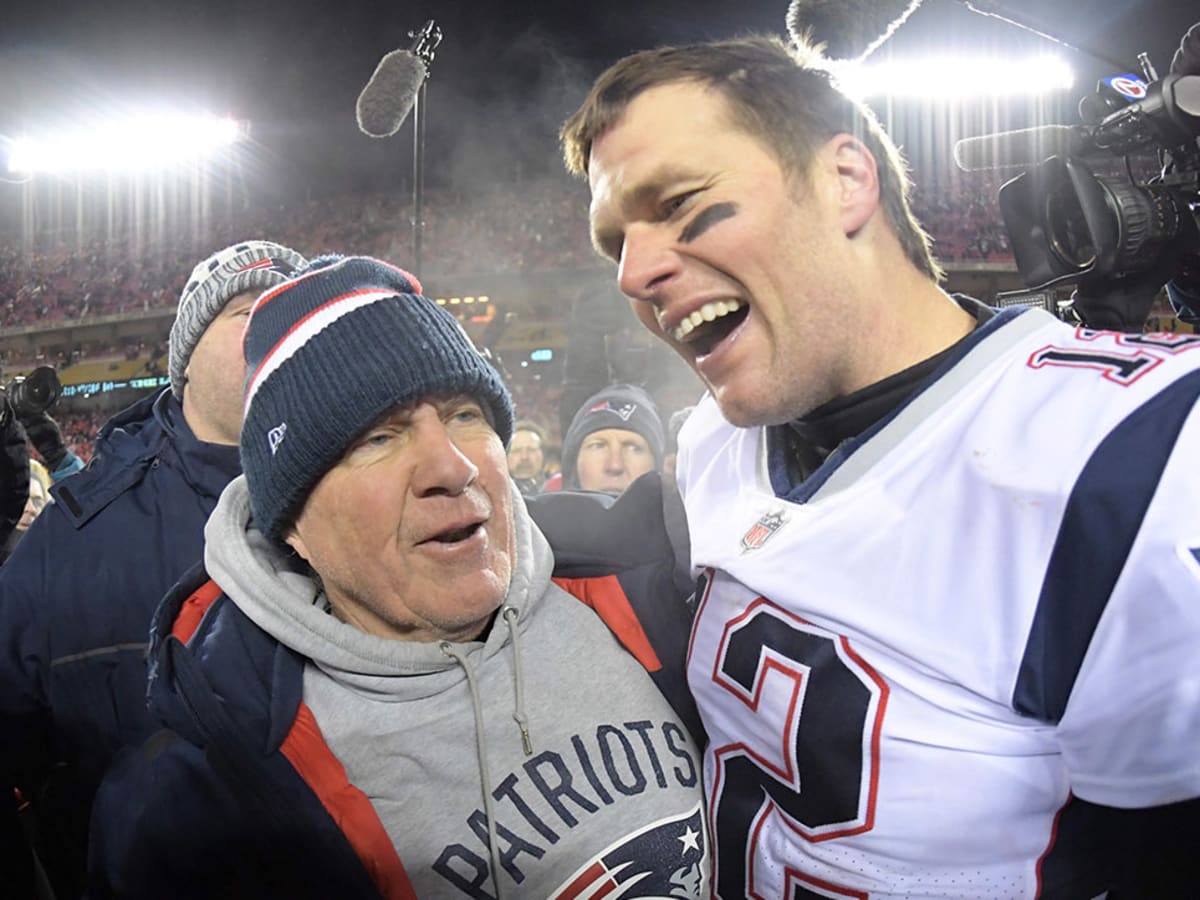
{"x": 761, "y": 531}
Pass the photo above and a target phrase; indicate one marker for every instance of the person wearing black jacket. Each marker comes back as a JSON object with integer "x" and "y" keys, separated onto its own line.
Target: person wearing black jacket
{"x": 14, "y": 475}
{"x": 78, "y": 593}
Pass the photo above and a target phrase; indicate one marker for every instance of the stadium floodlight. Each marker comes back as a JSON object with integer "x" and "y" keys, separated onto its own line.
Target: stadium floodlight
{"x": 956, "y": 77}
{"x": 134, "y": 144}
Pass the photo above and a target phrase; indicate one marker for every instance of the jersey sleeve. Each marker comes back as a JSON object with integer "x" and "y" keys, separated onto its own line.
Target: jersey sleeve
{"x": 1131, "y": 726}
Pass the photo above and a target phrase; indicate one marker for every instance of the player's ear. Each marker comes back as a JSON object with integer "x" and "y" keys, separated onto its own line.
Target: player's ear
{"x": 857, "y": 181}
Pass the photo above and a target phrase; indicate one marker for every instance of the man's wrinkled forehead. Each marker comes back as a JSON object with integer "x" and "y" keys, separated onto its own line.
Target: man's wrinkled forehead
{"x": 651, "y": 145}
{"x": 620, "y": 112}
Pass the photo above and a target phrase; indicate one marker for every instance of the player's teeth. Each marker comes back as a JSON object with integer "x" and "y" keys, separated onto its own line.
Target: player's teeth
{"x": 709, "y": 312}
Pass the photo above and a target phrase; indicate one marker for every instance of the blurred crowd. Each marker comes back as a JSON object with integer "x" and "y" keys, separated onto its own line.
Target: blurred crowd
{"x": 60, "y": 276}
{"x": 535, "y": 227}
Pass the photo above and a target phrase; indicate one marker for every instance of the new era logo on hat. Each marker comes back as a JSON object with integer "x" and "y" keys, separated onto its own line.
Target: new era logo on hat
{"x": 275, "y": 436}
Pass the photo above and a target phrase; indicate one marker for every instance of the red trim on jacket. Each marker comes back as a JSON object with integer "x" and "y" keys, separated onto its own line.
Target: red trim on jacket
{"x": 193, "y": 609}
{"x": 605, "y": 595}
{"x": 349, "y": 807}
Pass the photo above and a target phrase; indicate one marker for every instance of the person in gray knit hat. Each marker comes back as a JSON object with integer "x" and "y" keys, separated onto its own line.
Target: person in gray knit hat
{"x": 207, "y": 330}
{"x": 81, "y": 586}
{"x": 375, "y": 687}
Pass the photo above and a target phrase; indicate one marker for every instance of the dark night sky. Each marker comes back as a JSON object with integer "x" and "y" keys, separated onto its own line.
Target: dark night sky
{"x": 505, "y": 75}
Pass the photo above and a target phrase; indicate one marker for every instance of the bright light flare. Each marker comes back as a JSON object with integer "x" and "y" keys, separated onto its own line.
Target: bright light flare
{"x": 139, "y": 143}
{"x": 957, "y": 77}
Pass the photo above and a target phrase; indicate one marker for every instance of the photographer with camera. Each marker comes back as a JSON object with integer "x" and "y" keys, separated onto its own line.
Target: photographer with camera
{"x": 30, "y": 399}
{"x": 14, "y": 472}
{"x": 24, "y": 419}
{"x": 77, "y": 595}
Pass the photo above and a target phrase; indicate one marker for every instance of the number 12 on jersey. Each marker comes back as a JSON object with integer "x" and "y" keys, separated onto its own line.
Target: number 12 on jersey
{"x": 796, "y": 755}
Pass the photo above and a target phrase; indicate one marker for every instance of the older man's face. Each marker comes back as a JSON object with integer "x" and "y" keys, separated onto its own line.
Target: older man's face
{"x": 412, "y": 531}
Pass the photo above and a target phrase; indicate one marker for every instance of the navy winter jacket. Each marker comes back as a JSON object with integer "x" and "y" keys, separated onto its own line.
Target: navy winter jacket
{"x": 266, "y": 807}
{"x": 627, "y": 557}
{"x": 241, "y": 767}
{"x": 76, "y": 601}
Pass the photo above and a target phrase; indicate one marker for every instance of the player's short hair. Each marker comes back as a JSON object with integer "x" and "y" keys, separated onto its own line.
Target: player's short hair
{"x": 778, "y": 95}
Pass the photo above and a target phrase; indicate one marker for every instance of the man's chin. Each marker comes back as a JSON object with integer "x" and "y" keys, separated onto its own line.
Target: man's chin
{"x": 747, "y": 412}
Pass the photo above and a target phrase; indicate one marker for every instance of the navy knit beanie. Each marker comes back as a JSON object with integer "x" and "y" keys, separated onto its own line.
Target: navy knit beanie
{"x": 623, "y": 406}
{"x": 330, "y": 352}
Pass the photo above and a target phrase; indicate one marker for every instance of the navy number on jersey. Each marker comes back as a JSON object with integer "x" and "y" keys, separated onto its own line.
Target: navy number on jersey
{"x": 1123, "y": 358}
{"x": 810, "y": 714}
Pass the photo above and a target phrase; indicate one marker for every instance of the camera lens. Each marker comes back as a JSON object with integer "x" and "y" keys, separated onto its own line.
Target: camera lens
{"x": 1149, "y": 220}
{"x": 36, "y": 393}
{"x": 1067, "y": 228}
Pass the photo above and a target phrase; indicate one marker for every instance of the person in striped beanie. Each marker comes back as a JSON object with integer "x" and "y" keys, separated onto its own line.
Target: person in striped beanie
{"x": 376, "y": 687}
{"x": 319, "y": 372}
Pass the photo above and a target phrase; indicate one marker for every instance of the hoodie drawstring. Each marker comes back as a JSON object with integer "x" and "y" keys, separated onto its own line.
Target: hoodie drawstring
{"x": 456, "y": 654}
{"x": 510, "y": 616}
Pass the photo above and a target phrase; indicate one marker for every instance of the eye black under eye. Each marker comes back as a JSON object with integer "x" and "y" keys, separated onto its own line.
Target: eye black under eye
{"x": 707, "y": 218}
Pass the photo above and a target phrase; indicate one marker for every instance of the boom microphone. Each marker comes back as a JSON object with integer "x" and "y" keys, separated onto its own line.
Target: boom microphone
{"x": 1022, "y": 148}
{"x": 391, "y": 93}
{"x": 848, "y": 29}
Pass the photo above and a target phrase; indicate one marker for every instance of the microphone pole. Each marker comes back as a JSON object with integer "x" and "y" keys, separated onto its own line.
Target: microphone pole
{"x": 425, "y": 43}
{"x": 995, "y": 9}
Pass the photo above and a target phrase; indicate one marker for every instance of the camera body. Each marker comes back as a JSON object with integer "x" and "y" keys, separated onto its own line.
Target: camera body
{"x": 1087, "y": 218}
{"x": 29, "y": 395}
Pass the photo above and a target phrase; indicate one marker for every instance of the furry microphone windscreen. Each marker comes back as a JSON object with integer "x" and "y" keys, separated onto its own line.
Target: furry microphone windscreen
{"x": 848, "y": 29}
{"x": 391, "y": 93}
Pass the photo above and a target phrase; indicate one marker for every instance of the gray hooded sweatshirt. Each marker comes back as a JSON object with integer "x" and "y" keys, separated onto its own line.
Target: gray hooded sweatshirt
{"x": 538, "y": 762}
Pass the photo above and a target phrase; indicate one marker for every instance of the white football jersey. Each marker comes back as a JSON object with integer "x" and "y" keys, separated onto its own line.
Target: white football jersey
{"x": 908, "y": 663}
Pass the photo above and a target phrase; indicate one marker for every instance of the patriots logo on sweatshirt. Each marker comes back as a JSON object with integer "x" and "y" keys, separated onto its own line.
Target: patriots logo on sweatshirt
{"x": 665, "y": 859}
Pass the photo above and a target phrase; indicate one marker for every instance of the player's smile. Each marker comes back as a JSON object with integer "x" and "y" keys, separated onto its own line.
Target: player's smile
{"x": 706, "y": 326}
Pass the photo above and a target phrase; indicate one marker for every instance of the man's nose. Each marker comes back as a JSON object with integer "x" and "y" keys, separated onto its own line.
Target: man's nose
{"x": 441, "y": 467}
{"x": 647, "y": 261}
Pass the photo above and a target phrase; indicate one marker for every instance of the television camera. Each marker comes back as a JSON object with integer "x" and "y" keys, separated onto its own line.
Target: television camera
{"x": 1086, "y": 215}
